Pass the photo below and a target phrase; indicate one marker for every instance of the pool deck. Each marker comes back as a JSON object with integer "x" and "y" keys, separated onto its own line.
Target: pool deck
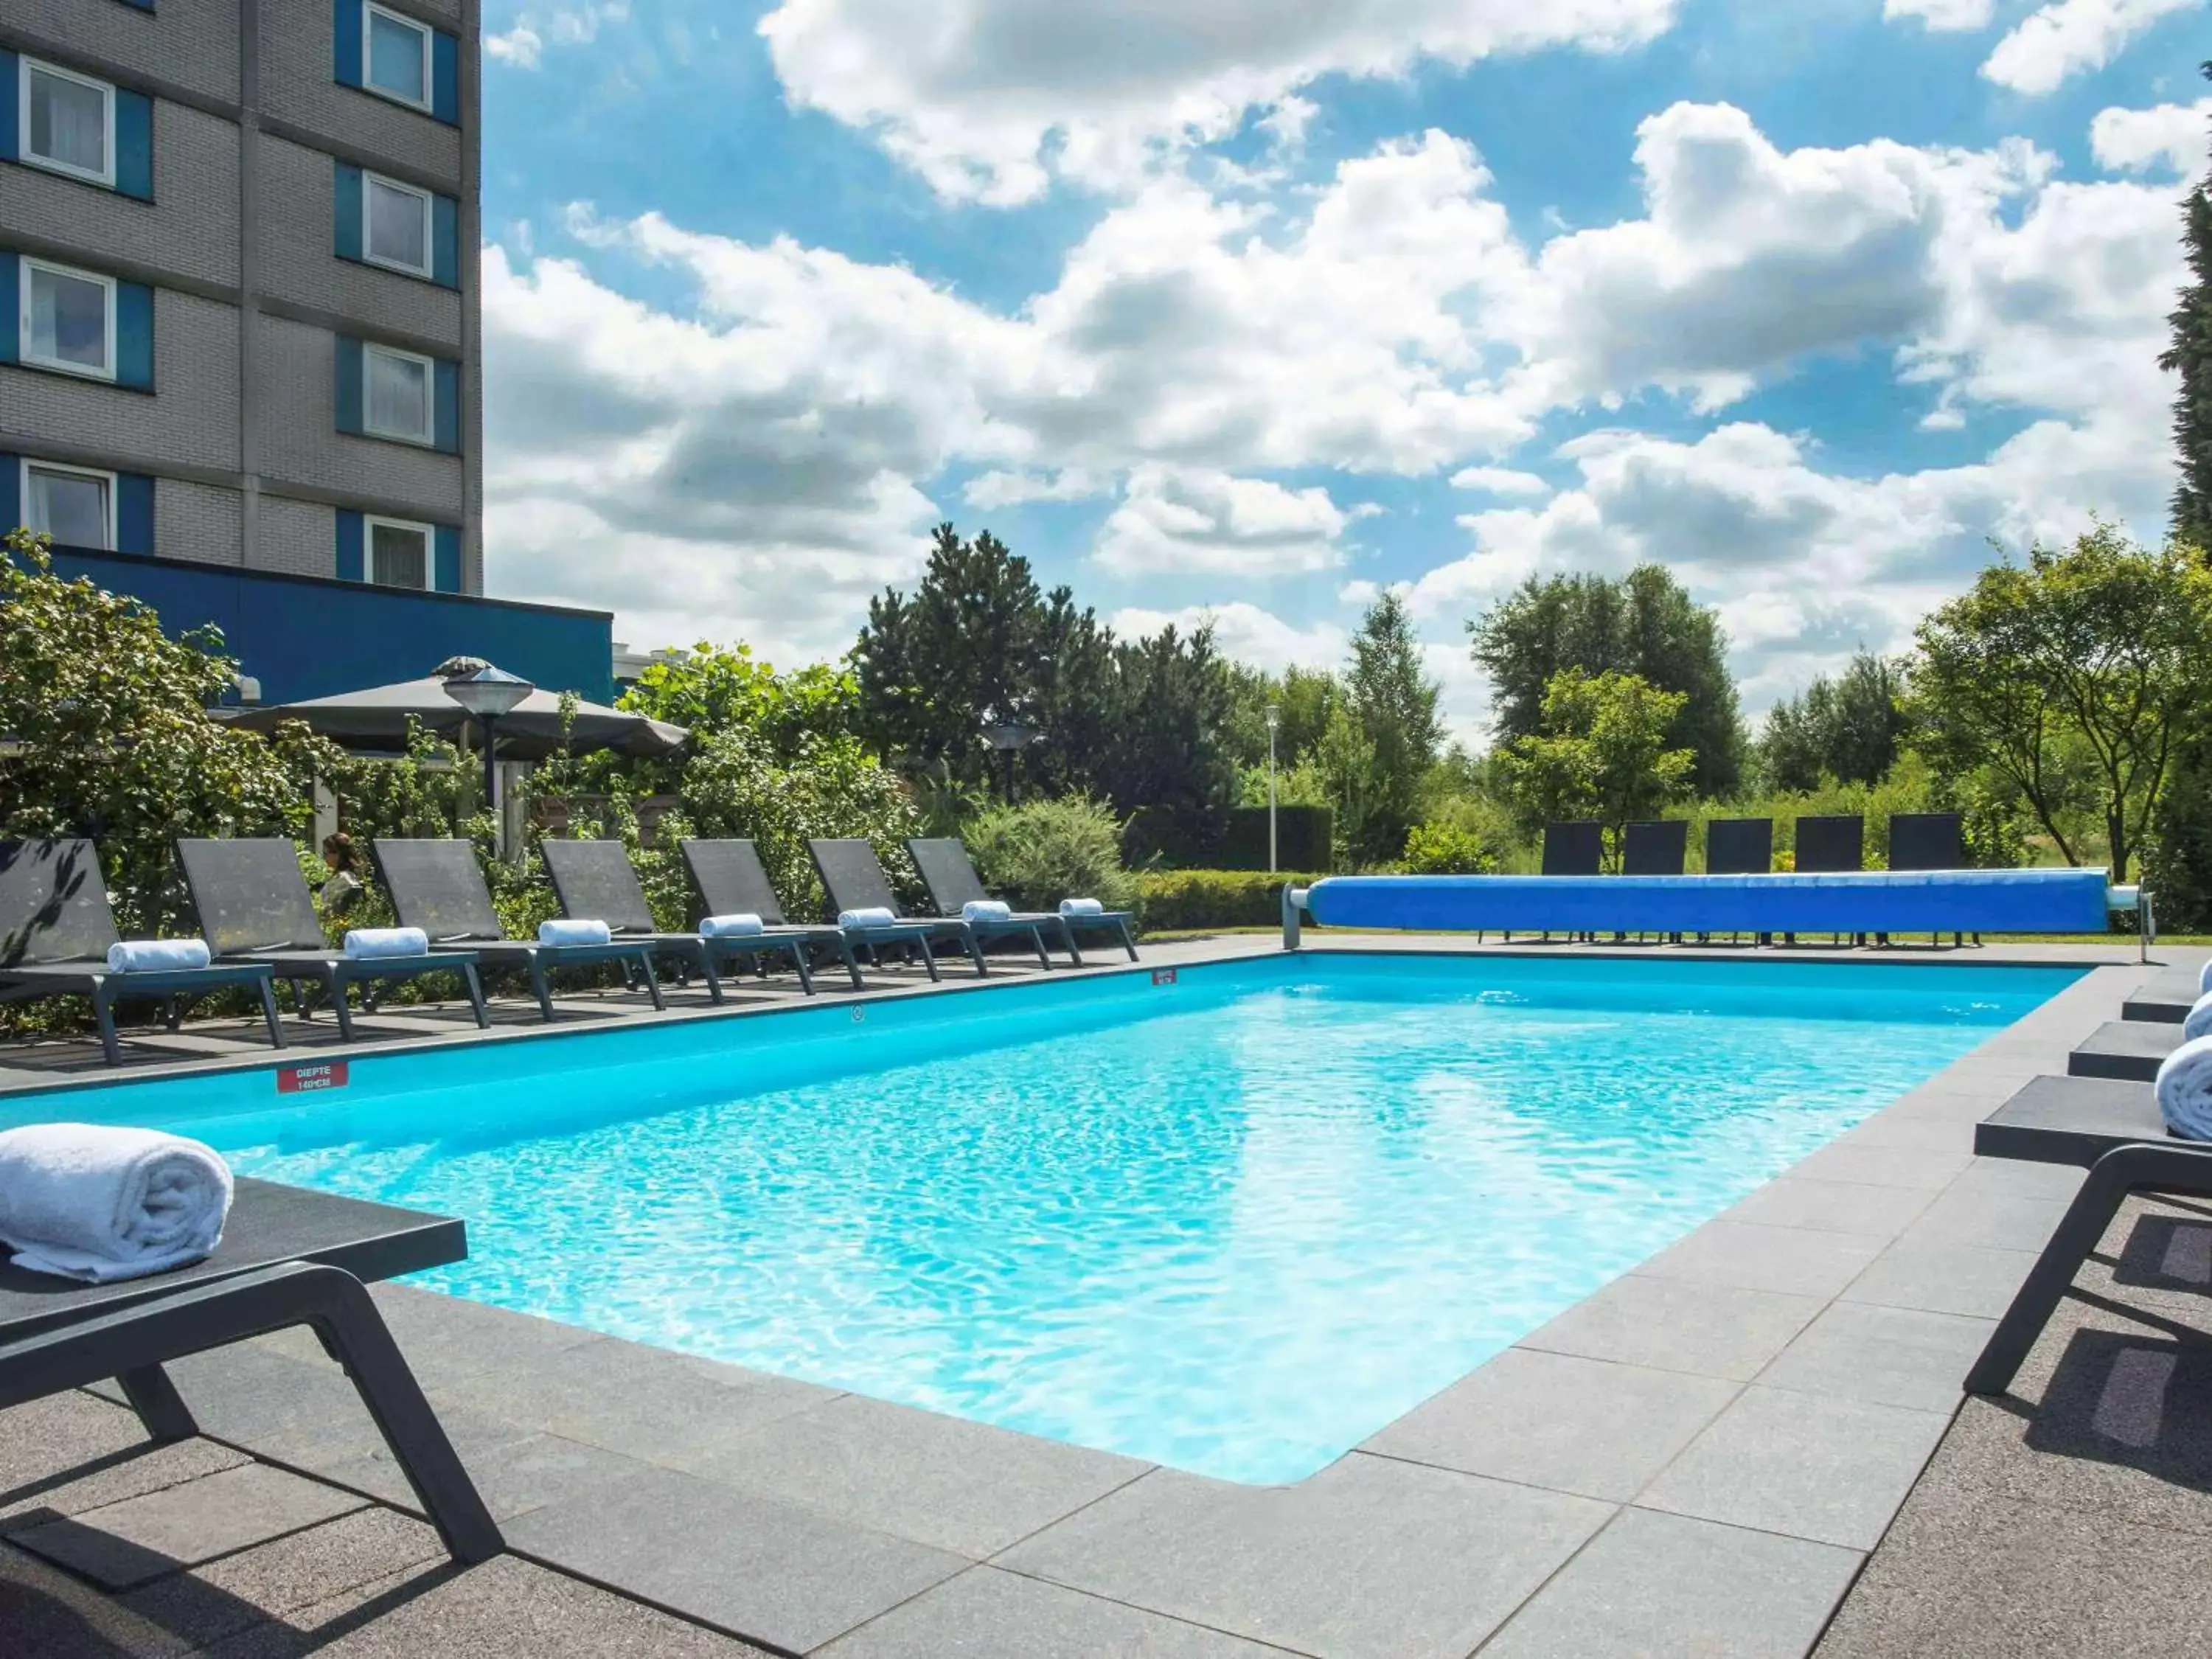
{"x": 1699, "y": 1457}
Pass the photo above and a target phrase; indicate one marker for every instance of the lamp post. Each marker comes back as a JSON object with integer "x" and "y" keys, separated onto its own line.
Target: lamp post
{"x": 1008, "y": 737}
{"x": 487, "y": 694}
{"x": 1274, "y": 722}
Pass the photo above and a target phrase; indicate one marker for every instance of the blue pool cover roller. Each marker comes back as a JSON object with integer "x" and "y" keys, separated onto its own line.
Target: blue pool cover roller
{"x": 2050, "y": 901}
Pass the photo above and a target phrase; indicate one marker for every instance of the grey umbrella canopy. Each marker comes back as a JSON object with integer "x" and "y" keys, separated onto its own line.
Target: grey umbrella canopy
{"x": 376, "y": 720}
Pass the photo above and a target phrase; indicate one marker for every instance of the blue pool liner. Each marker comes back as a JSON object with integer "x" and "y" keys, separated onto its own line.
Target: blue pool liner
{"x": 2049, "y": 901}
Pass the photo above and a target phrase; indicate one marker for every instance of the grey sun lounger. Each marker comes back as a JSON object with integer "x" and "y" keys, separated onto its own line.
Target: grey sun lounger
{"x": 56, "y": 926}
{"x": 435, "y": 885}
{"x": 594, "y": 878}
{"x": 254, "y": 906}
{"x": 853, "y": 876}
{"x": 950, "y": 875}
{"x": 731, "y": 881}
{"x": 287, "y": 1257}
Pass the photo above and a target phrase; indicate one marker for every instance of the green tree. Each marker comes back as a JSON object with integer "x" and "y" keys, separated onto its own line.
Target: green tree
{"x": 1396, "y": 704}
{"x": 1850, "y": 728}
{"x": 1603, "y": 752}
{"x": 1345, "y": 757}
{"x": 2191, "y": 356}
{"x": 1164, "y": 749}
{"x": 1645, "y": 625}
{"x": 2093, "y": 654}
{"x": 715, "y": 688}
{"x": 1302, "y": 697}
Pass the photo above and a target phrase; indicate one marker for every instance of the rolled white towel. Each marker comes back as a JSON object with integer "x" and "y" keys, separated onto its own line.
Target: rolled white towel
{"x": 1081, "y": 908}
{"x": 2199, "y": 1023}
{"x": 366, "y": 943}
{"x": 743, "y": 925}
{"x": 157, "y": 955}
{"x": 95, "y": 1202}
{"x": 570, "y": 930}
{"x": 986, "y": 910}
{"x": 2204, "y": 978}
{"x": 875, "y": 916}
{"x": 2185, "y": 1089}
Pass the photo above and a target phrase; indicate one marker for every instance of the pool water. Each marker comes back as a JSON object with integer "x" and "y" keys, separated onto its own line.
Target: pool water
{"x": 1235, "y": 1223}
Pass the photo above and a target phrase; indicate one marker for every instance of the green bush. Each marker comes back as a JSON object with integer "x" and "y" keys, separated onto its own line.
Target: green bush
{"x": 1040, "y": 852}
{"x": 1445, "y": 849}
{"x": 1184, "y": 900}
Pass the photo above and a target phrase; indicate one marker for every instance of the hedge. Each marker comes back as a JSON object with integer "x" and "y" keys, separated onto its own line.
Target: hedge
{"x": 1301, "y": 838}
{"x": 1179, "y": 900}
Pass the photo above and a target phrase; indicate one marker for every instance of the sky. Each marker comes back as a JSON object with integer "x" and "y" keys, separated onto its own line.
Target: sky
{"x": 1243, "y": 311}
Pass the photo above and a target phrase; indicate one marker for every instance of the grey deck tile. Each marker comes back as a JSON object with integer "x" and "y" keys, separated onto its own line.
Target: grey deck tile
{"x": 141, "y": 1537}
{"x": 447, "y": 1338}
{"x": 1963, "y": 1104}
{"x": 247, "y": 1394}
{"x": 1371, "y": 1558}
{"x": 985, "y": 1613}
{"x": 1881, "y": 1166}
{"x": 1830, "y": 1470}
{"x": 1652, "y": 1583}
{"x": 1956, "y": 1278}
{"x": 1935, "y": 1134}
{"x": 1587, "y": 1426}
{"x": 1991, "y": 1221}
{"x": 1830, "y": 1206}
{"x": 1796, "y": 1260}
{"x": 1714, "y": 1330}
{"x": 744, "y": 1564}
{"x": 1887, "y": 1356}
{"x": 514, "y": 1472}
{"x": 69, "y": 1452}
{"x": 939, "y": 1480}
{"x": 2020, "y": 1178}
{"x": 45, "y": 1612}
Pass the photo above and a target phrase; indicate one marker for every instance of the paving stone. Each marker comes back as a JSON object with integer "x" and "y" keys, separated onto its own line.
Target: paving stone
{"x": 985, "y": 1613}
{"x": 1832, "y": 1471}
{"x": 1881, "y": 1166}
{"x": 141, "y": 1538}
{"x": 447, "y": 1338}
{"x": 1713, "y": 1330}
{"x": 1653, "y": 1584}
{"x": 69, "y": 1453}
{"x": 513, "y": 1472}
{"x": 1833, "y": 1207}
{"x": 2022, "y": 1178}
{"x": 1955, "y": 1279}
{"x": 246, "y": 1394}
{"x": 46, "y": 1614}
{"x": 940, "y": 1480}
{"x": 1989, "y": 1220}
{"x": 1935, "y": 1134}
{"x": 743, "y": 1563}
{"x": 1888, "y": 1356}
{"x": 1571, "y": 1425}
{"x": 1369, "y": 1557}
{"x": 1798, "y": 1260}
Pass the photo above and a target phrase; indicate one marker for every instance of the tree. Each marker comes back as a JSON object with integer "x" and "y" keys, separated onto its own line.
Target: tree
{"x": 1395, "y": 705}
{"x": 1602, "y": 753}
{"x": 2092, "y": 654}
{"x": 2191, "y": 356}
{"x": 1302, "y": 697}
{"x": 713, "y": 689}
{"x": 1849, "y": 729}
{"x": 1645, "y": 625}
{"x": 1162, "y": 751}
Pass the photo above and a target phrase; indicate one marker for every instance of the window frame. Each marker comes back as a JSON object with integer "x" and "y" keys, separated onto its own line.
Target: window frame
{"x": 31, "y": 464}
{"x": 369, "y": 181}
{"x": 370, "y": 12}
{"x": 24, "y": 321}
{"x": 26, "y": 66}
{"x": 370, "y": 523}
{"x": 427, "y": 438}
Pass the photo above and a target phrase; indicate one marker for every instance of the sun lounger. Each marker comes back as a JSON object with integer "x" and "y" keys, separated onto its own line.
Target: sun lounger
{"x": 950, "y": 875}
{"x": 731, "y": 881}
{"x": 595, "y": 879}
{"x": 254, "y": 906}
{"x": 56, "y": 927}
{"x": 853, "y": 878}
{"x": 435, "y": 885}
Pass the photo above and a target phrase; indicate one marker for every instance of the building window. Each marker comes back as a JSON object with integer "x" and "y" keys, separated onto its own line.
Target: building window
{"x": 68, "y": 122}
{"x": 399, "y": 398}
{"x": 74, "y": 507}
{"x": 398, "y": 553}
{"x": 68, "y": 320}
{"x": 397, "y": 50}
{"x": 395, "y": 227}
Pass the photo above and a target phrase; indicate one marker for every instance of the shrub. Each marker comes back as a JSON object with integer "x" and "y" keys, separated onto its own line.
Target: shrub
{"x": 1445, "y": 849}
{"x": 1037, "y": 853}
{"x": 1179, "y": 900}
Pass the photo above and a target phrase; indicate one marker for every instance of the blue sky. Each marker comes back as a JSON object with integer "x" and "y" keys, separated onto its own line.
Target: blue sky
{"x": 1244, "y": 309}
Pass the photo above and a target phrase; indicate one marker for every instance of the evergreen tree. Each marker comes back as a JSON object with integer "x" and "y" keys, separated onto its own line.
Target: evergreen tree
{"x": 2191, "y": 356}
{"x": 1848, "y": 729}
{"x": 1395, "y": 706}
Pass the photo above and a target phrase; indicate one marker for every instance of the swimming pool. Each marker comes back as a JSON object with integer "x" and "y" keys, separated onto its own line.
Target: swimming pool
{"x": 1234, "y": 1221}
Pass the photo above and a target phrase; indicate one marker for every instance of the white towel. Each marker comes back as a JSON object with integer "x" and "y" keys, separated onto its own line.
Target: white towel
{"x": 95, "y": 1202}
{"x": 2185, "y": 1089}
{"x": 366, "y": 943}
{"x": 2199, "y": 1020}
{"x": 157, "y": 955}
{"x": 569, "y": 930}
{"x": 986, "y": 910}
{"x": 876, "y": 916}
{"x": 743, "y": 925}
{"x": 1081, "y": 908}
{"x": 2204, "y": 978}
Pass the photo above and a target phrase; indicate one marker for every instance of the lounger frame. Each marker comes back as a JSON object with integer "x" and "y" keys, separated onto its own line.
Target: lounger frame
{"x": 950, "y": 875}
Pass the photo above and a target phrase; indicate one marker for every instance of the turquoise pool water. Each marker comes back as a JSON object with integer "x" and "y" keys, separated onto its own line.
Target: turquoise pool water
{"x": 1235, "y": 1223}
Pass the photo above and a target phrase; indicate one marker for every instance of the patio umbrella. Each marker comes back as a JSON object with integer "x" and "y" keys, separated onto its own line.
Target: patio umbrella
{"x": 376, "y": 721}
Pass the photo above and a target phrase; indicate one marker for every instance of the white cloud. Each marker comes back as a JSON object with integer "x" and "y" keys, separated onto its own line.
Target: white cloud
{"x": 1245, "y": 631}
{"x": 1499, "y": 480}
{"x": 1362, "y": 594}
{"x": 1176, "y": 522}
{"x": 1942, "y": 14}
{"x": 1070, "y": 483}
{"x": 523, "y": 43}
{"x": 988, "y": 98}
{"x": 2068, "y": 37}
{"x": 2175, "y": 138}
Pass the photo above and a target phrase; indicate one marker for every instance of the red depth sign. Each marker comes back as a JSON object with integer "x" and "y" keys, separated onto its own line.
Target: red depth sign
{"x": 308, "y": 1079}
{"x": 1164, "y": 975}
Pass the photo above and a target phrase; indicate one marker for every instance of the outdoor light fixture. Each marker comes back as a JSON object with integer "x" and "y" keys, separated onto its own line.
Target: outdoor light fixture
{"x": 488, "y": 694}
{"x": 1274, "y": 724}
{"x": 1009, "y": 736}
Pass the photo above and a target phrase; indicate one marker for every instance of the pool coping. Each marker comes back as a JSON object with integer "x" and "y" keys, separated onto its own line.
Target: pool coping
{"x": 1708, "y": 1446}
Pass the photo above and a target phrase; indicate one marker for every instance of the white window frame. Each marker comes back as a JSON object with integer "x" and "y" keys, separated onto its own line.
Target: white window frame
{"x": 30, "y": 465}
{"x": 25, "y": 68}
{"x": 369, "y": 181}
{"x": 427, "y": 438}
{"x": 370, "y": 523}
{"x": 60, "y": 365}
{"x": 369, "y": 14}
